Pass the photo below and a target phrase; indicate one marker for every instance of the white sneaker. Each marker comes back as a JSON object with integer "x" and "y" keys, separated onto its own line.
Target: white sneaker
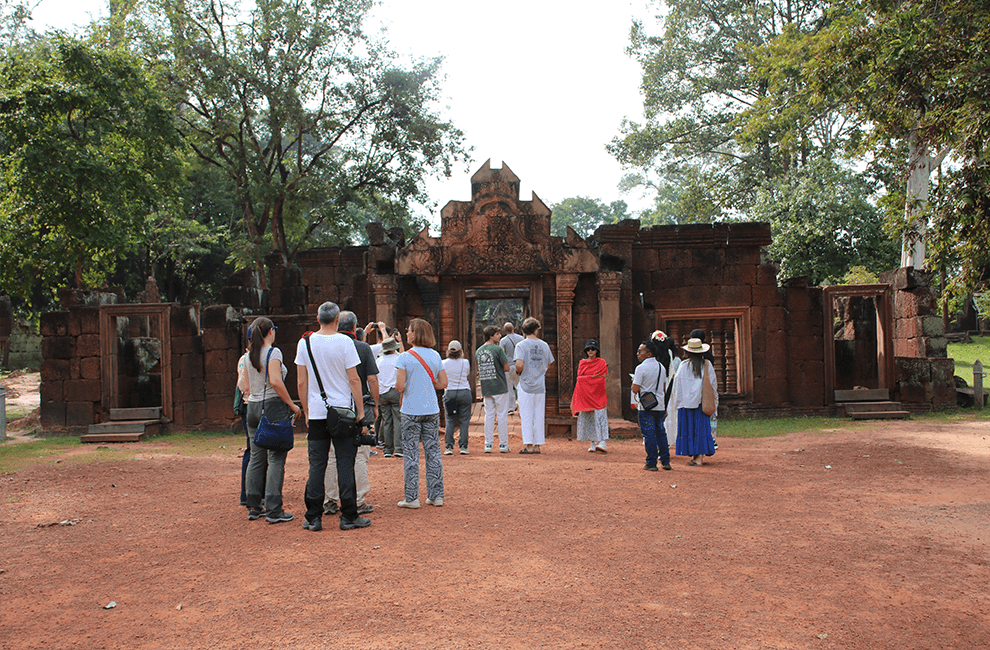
{"x": 488, "y": 449}
{"x": 435, "y": 502}
{"x": 503, "y": 449}
{"x": 592, "y": 448}
{"x": 464, "y": 451}
{"x": 409, "y": 504}
{"x": 448, "y": 452}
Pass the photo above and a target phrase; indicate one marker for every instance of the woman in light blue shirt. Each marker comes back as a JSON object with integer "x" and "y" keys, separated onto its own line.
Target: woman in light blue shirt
{"x": 419, "y": 374}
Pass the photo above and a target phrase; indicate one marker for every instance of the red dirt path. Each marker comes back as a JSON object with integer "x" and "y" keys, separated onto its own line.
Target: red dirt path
{"x": 765, "y": 548}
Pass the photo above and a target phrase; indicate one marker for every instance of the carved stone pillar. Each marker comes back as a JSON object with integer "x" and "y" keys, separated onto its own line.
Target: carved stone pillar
{"x": 609, "y": 292}
{"x": 386, "y": 292}
{"x": 566, "y": 283}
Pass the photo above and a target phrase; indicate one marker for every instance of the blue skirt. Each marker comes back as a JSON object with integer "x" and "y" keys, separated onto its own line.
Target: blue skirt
{"x": 694, "y": 433}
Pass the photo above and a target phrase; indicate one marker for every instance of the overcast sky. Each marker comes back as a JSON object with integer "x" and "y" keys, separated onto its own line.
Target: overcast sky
{"x": 539, "y": 85}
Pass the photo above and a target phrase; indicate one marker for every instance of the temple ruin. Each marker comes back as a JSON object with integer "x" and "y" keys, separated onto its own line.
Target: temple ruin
{"x": 781, "y": 349}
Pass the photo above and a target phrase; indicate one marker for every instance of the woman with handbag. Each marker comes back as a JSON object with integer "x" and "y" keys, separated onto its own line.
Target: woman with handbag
{"x": 268, "y": 398}
{"x": 590, "y": 401}
{"x": 457, "y": 398}
{"x": 647, "y": 386}
{"x": 419, "y": 374}
{"x": 693, "y": 400}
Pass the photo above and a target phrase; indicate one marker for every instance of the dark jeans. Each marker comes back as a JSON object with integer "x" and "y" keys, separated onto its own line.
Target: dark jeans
{"x": 651, "y": 426}
{"x": 345, "y": 449}
{"x": 457, "y": 404}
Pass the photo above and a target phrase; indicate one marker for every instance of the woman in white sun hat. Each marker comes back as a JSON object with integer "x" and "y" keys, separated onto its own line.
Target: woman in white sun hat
{"x": 693, "y": 429}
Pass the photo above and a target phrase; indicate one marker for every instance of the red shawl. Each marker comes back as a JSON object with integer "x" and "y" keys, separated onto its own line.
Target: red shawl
{"x": 589, "y": 390}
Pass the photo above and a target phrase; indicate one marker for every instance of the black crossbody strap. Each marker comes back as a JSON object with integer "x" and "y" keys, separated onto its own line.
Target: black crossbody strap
{"x": 319, "y": 382}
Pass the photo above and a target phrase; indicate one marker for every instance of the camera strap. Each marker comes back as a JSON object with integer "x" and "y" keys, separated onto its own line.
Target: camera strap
{"x": 312, "y": 362}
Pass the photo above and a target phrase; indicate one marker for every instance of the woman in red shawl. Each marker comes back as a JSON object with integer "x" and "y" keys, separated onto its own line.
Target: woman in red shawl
{"x": 589, "y": 402}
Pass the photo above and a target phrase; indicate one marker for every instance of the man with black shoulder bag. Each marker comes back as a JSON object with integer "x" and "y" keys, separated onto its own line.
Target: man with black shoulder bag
{"x": 329, "y": 386}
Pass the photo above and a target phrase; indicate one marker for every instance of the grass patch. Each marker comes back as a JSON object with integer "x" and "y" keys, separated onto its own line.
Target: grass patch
{"x": 964, "y": 354}
{"x": 20, "y": 455}
{"x": 15, "y": 412}
{"x": 770, "y": 427}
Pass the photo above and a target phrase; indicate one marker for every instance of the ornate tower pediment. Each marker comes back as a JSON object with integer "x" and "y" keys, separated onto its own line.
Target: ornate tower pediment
{"x": 495, "y": 233}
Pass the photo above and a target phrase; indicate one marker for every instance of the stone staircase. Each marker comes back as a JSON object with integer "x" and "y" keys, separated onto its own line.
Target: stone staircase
{"x": 869, "y": 404}
{"x": 126, "y": 425}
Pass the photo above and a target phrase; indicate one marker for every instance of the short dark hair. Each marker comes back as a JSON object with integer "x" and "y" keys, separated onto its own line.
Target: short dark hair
{"x": 490, "y": 331}
{"x": 530, "y": 326}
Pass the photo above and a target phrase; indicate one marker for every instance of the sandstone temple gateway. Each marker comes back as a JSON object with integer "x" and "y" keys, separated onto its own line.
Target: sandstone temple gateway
{"x": 780, "y": 349}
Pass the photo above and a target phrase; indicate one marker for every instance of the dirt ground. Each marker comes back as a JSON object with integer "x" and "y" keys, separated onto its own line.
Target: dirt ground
{"x": 866, "y": 538}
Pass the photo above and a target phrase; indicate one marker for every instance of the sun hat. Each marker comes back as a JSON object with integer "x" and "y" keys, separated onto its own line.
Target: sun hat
{"x": 390, "y": 345}
{"x": 592, "y": 344}
{"x": 454, "y": 345}
{"x": 696, "y": 346}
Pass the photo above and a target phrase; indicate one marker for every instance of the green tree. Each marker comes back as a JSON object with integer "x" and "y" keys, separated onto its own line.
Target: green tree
{"x": 301, "y": 110}
{"x": 88, "y": 162}
{"x": 724, "y": 110}
{"x": 823, "y": 224}
{"x": 584, "y": 215}
{"x": 919, "y": 71}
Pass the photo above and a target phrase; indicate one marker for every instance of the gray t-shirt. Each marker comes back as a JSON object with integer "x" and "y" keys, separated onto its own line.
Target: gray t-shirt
{"x": 536, "y": 358}
{"x": 509, "y": 343}
{"x": 491, "y": 370}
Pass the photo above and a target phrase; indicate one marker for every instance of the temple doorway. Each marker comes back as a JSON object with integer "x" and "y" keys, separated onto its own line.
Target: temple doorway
{"x": 135, "y": 345}
{"x": 491, "y": 307}
{"x": 858, "y": 338}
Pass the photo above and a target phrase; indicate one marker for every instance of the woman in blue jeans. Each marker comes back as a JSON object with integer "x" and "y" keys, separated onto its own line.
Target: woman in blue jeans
{"x": 457, "y": 397}
{"x": 650, "y": 377}
{"x": 418, "y": 375}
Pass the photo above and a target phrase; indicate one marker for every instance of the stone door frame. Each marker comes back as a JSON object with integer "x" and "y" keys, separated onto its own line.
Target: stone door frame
{"x": 159, "y": 314}
{"x": 883, "y": 299}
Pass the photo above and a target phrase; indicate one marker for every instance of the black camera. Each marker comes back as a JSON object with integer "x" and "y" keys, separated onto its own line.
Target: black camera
{"x": 366, "y": 438}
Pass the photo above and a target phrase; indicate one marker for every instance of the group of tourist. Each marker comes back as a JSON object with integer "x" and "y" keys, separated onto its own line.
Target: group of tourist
{"x": 346, "y": 385}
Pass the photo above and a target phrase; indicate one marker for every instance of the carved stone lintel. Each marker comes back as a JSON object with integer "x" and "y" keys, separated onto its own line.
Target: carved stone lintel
{"x": 609, "y": 286}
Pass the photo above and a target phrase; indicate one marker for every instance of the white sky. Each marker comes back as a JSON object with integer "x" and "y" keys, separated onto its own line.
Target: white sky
{"x": 541, "y": 85}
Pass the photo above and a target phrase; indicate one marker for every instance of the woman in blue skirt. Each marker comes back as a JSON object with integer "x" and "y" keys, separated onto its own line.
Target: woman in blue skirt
{"x": 692, "y": 428}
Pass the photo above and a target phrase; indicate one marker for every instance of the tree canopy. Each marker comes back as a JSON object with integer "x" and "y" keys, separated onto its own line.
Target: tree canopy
{"x": 584, "y": 215}
{"x": 89, "y": 160}
{"x": 309, "y": 118}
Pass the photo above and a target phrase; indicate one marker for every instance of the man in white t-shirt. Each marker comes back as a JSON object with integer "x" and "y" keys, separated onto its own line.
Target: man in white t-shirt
{"x": 336, "y": 366}
{"x": 508, "y": 342}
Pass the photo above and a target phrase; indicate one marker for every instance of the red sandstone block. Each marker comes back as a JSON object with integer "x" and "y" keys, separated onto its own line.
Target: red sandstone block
{"x": 187, "y": 391}
{"x": 319, "y": 294}
{"x": 798, "y": 299}
{"x": 701, "y": 258}
{"x": 73, "y": 327}
{"x": 58, "y": 347}
{"x": 908, "y": 304}
{"x": 182, "y": 321}
{"x": 766, "y": 274}
{"x": 805, "y": 348}
{"x": 774, "y": 319}
{"x": 187, "y": 345}
{"x": 52, "y": 414}
{"x": 89, "y": 320}
{"x": 734, "y": 296}
{"x": 765, "y": 295}
{"x": 912, "y": 370}
{"x": 216, "y": 316}
{"x": 220, "y": 339}
{"x": 55, "y": 370}
{"x": 74, "y": 368}
{"x": 219, "y": 408}
{"x": 187, "y": 367}
{"x": 52, "y": 391}
{"x": 807, "y": 384}
{"x": 191, "y": 413}
{"x": 914, "y": 392}
{"x": 907, "y": 328}
{"x": 79, "y": 414}
{"x": 770, "y": 391}
{"x": 55, "y": 323}
{"x": 220, "y": 384}
{"x": 803, "y": 323}
{"x": 645, "y": 259}
{"x": 83, "y": 390}
{"x": 909, "y": 348}
{"x": 89, "y": 368}
{"x": 742, "y": 256}
{"x": 88, "y": 345}
{"x": 217, "y": 361}
{"x": 738, "y": 274}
